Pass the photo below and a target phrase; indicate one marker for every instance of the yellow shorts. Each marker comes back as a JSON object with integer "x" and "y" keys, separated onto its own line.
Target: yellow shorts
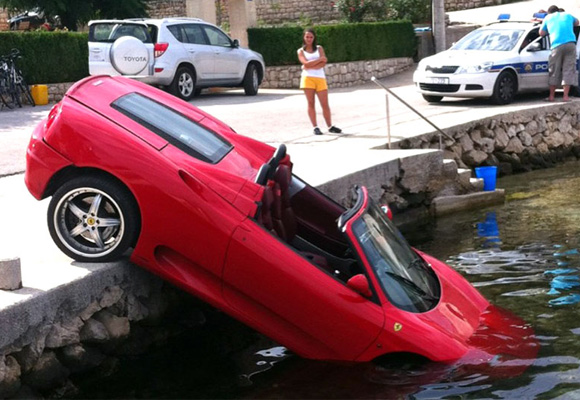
{"x": 318, "y": 84}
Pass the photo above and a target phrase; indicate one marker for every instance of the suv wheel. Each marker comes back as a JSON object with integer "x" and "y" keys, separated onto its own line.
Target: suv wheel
{"x": 183, "y": 85}
{"x": 251, "y": 81}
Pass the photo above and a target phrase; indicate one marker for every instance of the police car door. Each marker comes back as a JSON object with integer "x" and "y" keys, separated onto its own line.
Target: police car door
{"x": 534, "y": 54}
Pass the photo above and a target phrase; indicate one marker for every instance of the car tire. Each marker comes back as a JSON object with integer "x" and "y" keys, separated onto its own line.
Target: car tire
{"x": 432, "y": 99}
{"x": 93, "y": 219}
{"x": 251, "y": 81}
{"x": 183, "y": 85}
{"x": 505, "y": 88}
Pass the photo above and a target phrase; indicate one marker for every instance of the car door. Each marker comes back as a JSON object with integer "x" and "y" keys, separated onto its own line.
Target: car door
{"x": 201, "y": 54}
{"x": 229, "y": 61}
{"x": 534, "y": 56}
{"x": 283, "y": 295}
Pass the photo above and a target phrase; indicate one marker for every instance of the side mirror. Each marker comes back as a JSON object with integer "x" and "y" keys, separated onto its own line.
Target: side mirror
{"x": 236, "y": 43}
{"x": 387, "y": 211}
{"x": 536, "y": 46}
{"x": 360, "y": 284}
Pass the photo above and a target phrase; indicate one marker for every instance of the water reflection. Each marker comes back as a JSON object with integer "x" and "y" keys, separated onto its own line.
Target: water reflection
{"x": 489, "y": 231}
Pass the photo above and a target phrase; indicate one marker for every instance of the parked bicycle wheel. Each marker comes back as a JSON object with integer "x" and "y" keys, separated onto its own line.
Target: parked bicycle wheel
{"x": 16, "y": 94}
{"x": 25, "y": 93}
{"x": 5, "y": 98}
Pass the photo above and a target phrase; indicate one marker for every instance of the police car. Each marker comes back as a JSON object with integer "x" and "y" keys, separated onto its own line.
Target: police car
{"x": 496, "y": 61}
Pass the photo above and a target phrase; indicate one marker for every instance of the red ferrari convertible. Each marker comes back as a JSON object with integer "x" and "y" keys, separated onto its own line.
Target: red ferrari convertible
{"x": 222, "y": 216}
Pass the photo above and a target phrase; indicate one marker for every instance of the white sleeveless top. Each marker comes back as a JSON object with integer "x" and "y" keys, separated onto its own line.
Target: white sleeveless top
{"x": 314, "y": 73}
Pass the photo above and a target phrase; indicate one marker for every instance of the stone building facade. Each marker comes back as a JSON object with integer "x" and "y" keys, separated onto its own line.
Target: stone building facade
{"x": 275, "y": 12}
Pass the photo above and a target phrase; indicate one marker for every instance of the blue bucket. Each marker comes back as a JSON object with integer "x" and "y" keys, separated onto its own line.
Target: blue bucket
{"x": 488, "y": 174}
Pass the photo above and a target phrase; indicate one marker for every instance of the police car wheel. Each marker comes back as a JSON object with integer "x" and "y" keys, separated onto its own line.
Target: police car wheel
{"x": 432, "y": 99}
{"x": 505, "y": 88}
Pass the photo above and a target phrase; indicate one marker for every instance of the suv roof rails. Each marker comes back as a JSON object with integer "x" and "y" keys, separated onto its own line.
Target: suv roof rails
{"x": 166, "y": 19}
{"x": 184, "y": 19}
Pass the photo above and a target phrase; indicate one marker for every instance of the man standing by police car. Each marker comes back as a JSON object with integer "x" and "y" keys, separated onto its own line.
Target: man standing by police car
{"x": 562, "y": 63}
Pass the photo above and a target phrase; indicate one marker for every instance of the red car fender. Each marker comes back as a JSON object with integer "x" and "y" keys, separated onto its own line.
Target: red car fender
{"x": 41, "y": 163}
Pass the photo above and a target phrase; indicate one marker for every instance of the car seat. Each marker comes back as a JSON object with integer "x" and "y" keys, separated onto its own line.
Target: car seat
{"x": 265, "y": 213}
{"x": 283, "y": 216}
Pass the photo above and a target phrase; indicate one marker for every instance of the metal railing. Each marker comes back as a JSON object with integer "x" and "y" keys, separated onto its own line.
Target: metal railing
{"x": 389, "y": 91}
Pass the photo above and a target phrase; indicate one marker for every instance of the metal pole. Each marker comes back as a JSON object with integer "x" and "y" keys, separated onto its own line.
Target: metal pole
{"x": 438, "y": 14}
{"x": 388, "y": 122}
{"x": 375, "y": 80}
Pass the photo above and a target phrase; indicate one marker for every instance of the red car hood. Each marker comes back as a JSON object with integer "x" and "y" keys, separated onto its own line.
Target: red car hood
{"x": 463, "y": 328}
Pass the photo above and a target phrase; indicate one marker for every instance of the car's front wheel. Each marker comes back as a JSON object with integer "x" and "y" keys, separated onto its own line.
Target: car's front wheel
{"x": 505, "y": 88}
{"x": 432, "y": 99}
{"x": 251, "y": 81}
{"x": 93, "y": 219}
{"x": 183, "y": 85}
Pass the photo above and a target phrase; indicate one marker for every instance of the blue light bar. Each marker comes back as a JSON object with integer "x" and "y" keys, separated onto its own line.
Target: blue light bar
{"x": 540, "y": 15}
{"x": 503, "y": 17}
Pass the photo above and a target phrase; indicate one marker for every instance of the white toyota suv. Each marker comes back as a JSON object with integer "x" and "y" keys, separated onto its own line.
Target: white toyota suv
{"x": 183, "y": 54}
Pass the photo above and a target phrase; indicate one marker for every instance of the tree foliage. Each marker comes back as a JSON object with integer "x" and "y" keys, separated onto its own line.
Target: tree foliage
{"x": 74, "y": 12}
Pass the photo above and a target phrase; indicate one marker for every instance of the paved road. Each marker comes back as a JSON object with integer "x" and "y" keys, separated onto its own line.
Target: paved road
{"x": 279, "y": 116}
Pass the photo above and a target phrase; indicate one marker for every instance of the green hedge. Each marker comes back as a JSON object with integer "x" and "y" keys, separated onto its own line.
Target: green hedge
{"x": 49, "y": 57}
{"x": 343, "y": 42}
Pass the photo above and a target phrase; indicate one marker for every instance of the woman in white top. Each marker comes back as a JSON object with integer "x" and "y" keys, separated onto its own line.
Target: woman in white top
{"x": 313, "y": 80}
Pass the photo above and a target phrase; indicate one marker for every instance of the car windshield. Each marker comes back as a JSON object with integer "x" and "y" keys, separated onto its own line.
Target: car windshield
{"x": 407, "y": 280}
{"x": 490, "y": 39}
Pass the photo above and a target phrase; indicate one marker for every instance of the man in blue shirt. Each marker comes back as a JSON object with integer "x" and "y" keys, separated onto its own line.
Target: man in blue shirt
{"x": 562, "y": 63}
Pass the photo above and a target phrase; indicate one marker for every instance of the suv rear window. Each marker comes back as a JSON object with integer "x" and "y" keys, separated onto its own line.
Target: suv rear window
{"x": 174, "y": 127}
{"x": 108, "y": 32}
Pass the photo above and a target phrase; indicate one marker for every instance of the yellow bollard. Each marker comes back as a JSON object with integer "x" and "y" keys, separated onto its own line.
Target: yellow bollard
{"x": 40, "y": 94}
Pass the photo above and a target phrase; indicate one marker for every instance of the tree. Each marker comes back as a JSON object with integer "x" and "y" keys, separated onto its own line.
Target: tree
{"x": 73, "y": 12}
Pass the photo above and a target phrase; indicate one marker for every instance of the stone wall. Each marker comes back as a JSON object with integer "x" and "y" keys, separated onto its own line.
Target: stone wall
{"x": 56, "y": 91}
{"x": 274, "y": 12}
{"x": 338, "y": 74}
{"x": 4, "y": 20}
{"x": 515, "y": 142}
{"x": 277, "y": 12}
{"x": 166, "y": 8}
{"x": 458, "y": 5}
{"x": 74, "y": 330}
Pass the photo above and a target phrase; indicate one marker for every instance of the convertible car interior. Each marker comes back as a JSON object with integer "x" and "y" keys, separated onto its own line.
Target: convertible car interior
{"x": 304, "y": 218}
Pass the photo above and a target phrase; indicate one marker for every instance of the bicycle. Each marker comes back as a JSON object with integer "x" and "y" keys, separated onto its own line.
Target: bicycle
{"x": 6, "y": 99}
{"x": 13, "y": 87}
